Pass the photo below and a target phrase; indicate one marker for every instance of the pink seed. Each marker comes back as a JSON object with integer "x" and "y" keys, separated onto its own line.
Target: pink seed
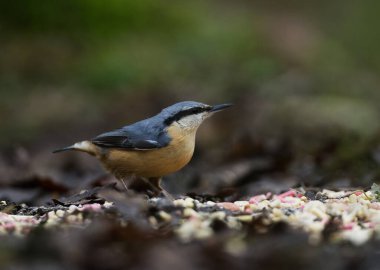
{"x": 229, "y": 206}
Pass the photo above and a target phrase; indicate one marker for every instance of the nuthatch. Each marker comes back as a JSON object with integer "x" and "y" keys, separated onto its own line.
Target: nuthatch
{"x": 153, "y": 147}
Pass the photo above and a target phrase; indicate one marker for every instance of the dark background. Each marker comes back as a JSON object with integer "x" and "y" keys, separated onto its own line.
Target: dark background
{"x": 303, "y": 77}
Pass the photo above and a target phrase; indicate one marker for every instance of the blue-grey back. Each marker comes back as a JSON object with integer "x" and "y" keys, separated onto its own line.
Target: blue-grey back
{"x": 146, "y": 134}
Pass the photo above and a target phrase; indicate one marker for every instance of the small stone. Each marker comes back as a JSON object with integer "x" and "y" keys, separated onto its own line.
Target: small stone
{"x": 179, "y": 202}
{"x": 72, "y": 208}
{"x": 357, "y": 237}
{"x": 233, "y": 223}
{"x": 353, "y": 198}
{"x": 107, "y": 204}
{"x": 244, "y": 218}
{"x": 277, "y": 212}
{"x": 189, "y": 203}
{"x": 218, "y": 215}
{"x": 316, "y": 227}
{"x": 60, "y": 213}
{"x": 72, "y": 218}
{"x": 257, "y": 199}
{"x": 241, "y": 203}
{"x": 164, "y": 216}
{"x": 204, "y": 232}
{"x": 153, "y": 221}
{"x": 52, "y": 219}
{"x": 189, "y": 212}
{"x": 229, "y": 206}
{"x": 275, "y": 203}
{"x": 210, "y": 203}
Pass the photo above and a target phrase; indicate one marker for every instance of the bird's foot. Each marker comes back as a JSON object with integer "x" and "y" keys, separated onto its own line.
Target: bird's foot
{"x": 167, "y": 195}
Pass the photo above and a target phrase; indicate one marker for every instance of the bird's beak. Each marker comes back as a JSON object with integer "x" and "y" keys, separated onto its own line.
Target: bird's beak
{"x": 220, "y": 107}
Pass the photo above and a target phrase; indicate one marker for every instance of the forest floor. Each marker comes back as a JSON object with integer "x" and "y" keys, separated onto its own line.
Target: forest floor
{"x": 106, "y": 227}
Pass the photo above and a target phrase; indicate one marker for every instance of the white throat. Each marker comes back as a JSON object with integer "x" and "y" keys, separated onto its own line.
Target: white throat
{"x": 192, "y": 122}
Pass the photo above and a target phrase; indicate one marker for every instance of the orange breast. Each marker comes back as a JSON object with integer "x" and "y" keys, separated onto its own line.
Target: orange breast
{"x": 152, "y": 163}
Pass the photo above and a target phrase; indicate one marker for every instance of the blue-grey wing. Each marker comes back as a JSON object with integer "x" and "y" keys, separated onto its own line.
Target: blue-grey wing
{"x": 127, "y": 139}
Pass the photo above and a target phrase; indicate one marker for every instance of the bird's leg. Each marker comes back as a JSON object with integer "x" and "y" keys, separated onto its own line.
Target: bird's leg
{"x": 125, "y": 186}
{"x": 155, "y": 182}
{"x": 151, "y": 186}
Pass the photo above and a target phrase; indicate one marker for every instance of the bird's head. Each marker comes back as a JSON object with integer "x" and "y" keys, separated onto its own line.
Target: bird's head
{"x": 189, "y": 115}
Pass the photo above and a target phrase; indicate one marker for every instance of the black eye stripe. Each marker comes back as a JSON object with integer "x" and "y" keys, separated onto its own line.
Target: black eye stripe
{"x": 184, "y": 113}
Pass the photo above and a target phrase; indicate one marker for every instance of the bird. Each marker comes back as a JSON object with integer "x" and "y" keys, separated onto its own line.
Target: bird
{"x": 151, "y": 148}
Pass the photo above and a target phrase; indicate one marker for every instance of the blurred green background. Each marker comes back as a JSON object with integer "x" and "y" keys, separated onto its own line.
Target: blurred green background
{"x": 304, "y": 72}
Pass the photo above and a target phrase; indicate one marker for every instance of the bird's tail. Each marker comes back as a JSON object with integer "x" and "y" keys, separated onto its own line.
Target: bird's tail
{"x": 84, "y": 146}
